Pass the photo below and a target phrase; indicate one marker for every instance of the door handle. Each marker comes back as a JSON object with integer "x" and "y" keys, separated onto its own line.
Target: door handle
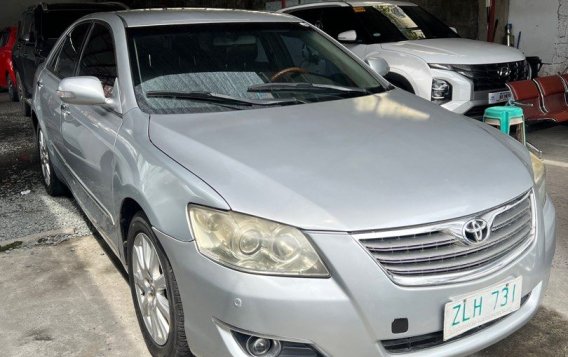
{"x": 39, "y": 84}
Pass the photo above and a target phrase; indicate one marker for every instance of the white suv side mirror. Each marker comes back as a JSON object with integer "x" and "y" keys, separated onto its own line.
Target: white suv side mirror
{"x": 86, "y": 90}
{"x": 379, "y": 65}
{"x": 347, "y": 36}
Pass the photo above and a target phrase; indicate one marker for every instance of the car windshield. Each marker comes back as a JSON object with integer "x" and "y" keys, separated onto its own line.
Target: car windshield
{"x": 220, "y": 67}
{"x": 408, "y": 23}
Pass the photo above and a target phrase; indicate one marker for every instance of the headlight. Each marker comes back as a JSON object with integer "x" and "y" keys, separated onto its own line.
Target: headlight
{"x": 539, "y": 176}
{"x": 254, "y": 245}
{"x": 441, "y": 91}
{"x": 445, "y": 67}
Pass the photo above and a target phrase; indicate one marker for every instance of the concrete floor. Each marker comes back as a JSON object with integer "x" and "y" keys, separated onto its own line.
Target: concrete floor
{"x": 66, "y": 300}
{"x": 67, "y": 296}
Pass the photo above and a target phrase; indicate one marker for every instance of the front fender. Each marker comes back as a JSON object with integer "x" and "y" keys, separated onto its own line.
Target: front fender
{"x": 412, "y": 68}
{"x": 161, "y": 186}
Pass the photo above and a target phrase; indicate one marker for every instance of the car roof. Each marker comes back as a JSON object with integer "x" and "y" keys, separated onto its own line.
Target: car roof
{"x": 157, "y": 17}
{"x": 347, "y": 4}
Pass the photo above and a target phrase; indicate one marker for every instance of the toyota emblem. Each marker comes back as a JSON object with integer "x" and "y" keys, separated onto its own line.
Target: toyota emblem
{"x": 504, "y": 72}
{"x": 476, "y": 230}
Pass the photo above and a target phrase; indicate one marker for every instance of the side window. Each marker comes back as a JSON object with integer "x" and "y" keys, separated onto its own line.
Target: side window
{"x": 335, "y": 20}
{"x": 99, "y": 58}
{"x": 24, "y": 25}
{"x": 65, "y": 62}
{"x": 332, "y": 20}
{"x": 4, "y": 37}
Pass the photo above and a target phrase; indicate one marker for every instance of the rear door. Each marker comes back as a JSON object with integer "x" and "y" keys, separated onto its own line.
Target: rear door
{"x": 89, "y": 131}
{"x": 29, "y": 60}
{"x": 24, "y": 47}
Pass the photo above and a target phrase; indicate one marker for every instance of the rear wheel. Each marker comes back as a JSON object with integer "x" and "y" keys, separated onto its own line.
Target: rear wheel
{"x": 53, "y": 185}
{"x": 12, "y": 90}
{"x": 25, "y": 107}
{"x": 155, "y": 292}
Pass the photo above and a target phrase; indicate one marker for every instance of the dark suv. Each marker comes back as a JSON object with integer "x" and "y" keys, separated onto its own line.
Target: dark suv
{"x": 38, "y": 29}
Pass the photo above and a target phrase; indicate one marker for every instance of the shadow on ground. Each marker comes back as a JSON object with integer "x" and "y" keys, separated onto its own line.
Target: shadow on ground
{"x": 66, "y": 300}
{"x": 545, "y": 335}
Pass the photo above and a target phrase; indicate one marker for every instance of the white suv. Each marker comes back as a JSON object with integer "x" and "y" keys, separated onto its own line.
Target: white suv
{"x": 426, "y": 57}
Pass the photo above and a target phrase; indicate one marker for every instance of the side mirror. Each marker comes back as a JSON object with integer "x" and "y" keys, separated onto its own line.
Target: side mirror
{"x": 347, "y": 36}
{"x": 454, "y": 29}
{"x": 82, "y": 91}
{"x": 379, "y": 65}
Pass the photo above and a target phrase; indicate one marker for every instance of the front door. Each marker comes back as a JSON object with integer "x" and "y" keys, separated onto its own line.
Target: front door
{"x": 89, "y": 131}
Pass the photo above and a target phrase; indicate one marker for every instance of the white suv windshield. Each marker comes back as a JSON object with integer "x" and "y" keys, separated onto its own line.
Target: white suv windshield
{"x": 216, "y": 67}
{"x": 412, "y": 23}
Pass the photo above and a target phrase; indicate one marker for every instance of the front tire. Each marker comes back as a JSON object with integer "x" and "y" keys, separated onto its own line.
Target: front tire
{"x": 155, "y": 292}
{"x": 52, "y": 183}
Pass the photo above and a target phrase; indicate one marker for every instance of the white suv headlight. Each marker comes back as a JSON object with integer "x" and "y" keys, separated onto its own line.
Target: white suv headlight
{"x": 253, "y": 244}
{"x": 539, "y": 176}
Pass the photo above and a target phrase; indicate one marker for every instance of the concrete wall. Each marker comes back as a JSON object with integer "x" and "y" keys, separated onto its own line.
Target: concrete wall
{"x": 543, "y": 25}
{"x": 501, "y": 14}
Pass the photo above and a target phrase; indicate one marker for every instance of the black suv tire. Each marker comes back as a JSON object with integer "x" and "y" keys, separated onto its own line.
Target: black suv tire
{"x": 24, "y": 106}
{"x": 12, "y": 89}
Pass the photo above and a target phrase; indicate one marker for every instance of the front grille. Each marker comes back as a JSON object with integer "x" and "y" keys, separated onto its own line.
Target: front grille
{"x": 417, "y": 343}
{"x": 439, "y": 253}
{"x": 488, "y": 76}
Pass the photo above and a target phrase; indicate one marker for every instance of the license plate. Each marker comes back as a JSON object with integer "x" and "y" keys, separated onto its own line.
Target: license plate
{"x": 467, "y": 312}
{"x": 499, "y": 97}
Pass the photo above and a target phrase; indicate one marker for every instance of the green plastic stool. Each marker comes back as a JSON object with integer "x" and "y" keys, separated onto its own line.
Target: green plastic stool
{"x": 510, "y": 120}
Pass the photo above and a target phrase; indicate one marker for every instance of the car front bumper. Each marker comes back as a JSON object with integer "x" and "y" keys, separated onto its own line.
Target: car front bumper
{"x": 464, "y": 97}
{"x": 348, "y": 314}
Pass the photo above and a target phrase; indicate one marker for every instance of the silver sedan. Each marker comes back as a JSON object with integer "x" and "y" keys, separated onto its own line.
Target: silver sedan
{"x": 271, "y": 195}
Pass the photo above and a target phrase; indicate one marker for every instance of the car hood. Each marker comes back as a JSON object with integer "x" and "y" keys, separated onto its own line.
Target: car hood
{"x": 456, "y": 51}
{"x": 373, "y": 162}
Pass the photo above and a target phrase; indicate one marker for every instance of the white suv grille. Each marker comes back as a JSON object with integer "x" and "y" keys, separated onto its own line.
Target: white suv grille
{"x": 439, "y": 253}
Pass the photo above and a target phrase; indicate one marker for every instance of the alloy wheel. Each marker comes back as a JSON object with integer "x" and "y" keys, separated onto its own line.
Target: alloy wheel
{"x": 151, "y": 290}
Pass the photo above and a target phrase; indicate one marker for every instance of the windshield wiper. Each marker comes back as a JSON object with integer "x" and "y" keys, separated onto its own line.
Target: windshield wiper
{"x": 304, "y": 87}
{"x": 219, "y": 99}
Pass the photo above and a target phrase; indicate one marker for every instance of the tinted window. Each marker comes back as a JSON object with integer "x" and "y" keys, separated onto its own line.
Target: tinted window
{"x": 99, "y": 57}
{"x": 413, "y": 22}
{"x": 333, "y": 20}
{"x": 54, "y": 23}
{"x": 378, "y": 27}
{"x": 4, "y": 37}
{"x": 25, "y": 24}
{"x": 66, "y": 61}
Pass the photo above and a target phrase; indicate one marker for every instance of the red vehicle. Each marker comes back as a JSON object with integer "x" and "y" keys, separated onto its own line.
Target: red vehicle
{"x": 7, "y": 75}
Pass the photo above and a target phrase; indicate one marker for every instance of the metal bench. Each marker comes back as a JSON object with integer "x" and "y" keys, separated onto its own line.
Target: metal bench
{"x": 541, "y": 99}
